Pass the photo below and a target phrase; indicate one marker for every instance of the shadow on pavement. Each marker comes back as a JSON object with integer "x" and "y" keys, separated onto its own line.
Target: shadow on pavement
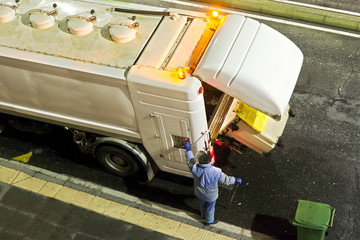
{"x": 166, "y": 189}
{"x": 275, "y": 227}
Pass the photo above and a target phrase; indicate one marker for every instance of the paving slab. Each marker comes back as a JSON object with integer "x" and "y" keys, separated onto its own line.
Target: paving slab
{"x": 37, "y": 208}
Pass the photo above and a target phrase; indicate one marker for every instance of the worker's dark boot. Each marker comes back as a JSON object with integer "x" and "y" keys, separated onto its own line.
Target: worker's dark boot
{"x": 214, "y": 222}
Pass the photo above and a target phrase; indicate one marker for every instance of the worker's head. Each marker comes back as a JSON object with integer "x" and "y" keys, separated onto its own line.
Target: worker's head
{"x": 203, "y": 157}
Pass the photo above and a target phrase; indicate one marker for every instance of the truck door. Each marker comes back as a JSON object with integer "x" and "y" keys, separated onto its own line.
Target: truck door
{"x": 172, "y": 131}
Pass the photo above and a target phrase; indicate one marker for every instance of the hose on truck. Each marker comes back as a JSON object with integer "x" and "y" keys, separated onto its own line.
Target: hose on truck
{"x": 143, "y": 12}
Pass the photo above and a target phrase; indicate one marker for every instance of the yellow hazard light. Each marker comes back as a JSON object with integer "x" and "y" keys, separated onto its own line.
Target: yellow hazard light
{"x": 181, "y": 73}
{"x": 215, "y": 14}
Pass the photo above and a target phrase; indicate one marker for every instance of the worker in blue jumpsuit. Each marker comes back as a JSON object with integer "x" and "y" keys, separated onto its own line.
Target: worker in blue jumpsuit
{"x": 207, "y": 179}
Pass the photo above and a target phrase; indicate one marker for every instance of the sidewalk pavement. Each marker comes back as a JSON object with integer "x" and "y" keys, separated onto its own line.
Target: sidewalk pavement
{"x": 39, "y": 204}
{"x": 28, "y": 215}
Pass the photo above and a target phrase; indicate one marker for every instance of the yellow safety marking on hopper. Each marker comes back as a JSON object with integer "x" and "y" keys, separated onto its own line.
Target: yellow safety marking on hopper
{"x": 256, "y": 119}
{"x": 106, "y": 207}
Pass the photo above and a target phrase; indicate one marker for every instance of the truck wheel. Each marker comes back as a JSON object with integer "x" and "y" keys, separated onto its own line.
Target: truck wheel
{"x": 117, "y": 161}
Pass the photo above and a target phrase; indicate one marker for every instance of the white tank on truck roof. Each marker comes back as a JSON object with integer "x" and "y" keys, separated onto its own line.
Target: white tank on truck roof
{"x": 86, "y": 31}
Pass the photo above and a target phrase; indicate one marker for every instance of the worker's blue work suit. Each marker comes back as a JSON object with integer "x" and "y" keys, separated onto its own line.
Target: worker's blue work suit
{"x": 206, "y": 181}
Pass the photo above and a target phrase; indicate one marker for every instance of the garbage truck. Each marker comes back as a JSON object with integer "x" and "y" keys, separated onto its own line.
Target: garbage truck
{"x": 132, "y": 82}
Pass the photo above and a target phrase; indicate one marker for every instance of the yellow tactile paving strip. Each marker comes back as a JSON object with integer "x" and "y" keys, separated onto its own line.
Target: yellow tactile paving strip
{"x": 103, "y": 206}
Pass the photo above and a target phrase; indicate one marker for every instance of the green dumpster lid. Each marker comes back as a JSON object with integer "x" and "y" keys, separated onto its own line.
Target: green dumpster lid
{"x": 312, "y": 215}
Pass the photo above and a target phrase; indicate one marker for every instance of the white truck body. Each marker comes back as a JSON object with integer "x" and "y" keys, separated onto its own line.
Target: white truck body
{"x": 103, "y": 78}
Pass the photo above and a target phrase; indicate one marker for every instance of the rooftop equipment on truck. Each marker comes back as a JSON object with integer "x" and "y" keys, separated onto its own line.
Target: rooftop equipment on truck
{"x": 132, "y": 81}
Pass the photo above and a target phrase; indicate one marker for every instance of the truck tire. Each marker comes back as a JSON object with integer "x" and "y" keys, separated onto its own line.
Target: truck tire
{"x": 117, "y": 161}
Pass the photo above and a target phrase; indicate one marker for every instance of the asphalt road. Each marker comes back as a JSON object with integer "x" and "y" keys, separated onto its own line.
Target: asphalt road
{"x": 320, "y": 160}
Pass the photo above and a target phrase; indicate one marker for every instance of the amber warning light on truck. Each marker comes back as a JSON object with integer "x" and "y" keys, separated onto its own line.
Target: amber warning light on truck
{"x": 215, "y": 14}
{"x": 181, "y": 73}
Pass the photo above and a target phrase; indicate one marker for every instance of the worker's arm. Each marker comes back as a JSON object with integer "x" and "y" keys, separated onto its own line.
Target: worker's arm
{"x": 226, "y": 181}
{"x": 189, "y": 156}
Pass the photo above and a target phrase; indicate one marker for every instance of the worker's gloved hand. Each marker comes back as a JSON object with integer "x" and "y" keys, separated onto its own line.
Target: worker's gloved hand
{"x": 239, "y": 180}
{"x": 187, "y": 146}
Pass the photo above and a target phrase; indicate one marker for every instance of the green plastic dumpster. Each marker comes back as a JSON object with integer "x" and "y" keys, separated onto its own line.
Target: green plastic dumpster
{"x": 312, "y": 219}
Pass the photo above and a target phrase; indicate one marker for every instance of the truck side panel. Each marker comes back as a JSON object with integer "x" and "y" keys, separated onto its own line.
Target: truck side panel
{"x": 66, "y": 96}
